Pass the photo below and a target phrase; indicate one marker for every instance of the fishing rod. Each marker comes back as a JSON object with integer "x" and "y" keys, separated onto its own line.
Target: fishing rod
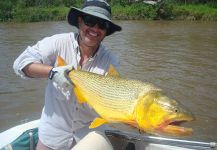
{"x": 162, "y": 140}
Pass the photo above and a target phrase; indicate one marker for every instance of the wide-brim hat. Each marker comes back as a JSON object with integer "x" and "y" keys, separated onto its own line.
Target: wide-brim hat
{"x": 96, "y": 8}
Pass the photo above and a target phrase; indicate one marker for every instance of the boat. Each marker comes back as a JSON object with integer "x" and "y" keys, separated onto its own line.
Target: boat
{"x": 151, "y": 2}
{"x": 20, "y": 137}
{"x": 25, "y": 137}
{"x": 148, "y": 142}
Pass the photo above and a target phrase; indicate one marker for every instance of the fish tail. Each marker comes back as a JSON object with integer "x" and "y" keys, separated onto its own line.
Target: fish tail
{"x": 60, "y": 61}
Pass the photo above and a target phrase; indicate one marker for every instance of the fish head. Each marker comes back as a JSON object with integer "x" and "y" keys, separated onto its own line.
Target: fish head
{"x": 164, "y": 115}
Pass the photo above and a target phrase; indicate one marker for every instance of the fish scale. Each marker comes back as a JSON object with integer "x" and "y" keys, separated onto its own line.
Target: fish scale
{"x": 106, "y": 100}
{"x": 122, "y": 97}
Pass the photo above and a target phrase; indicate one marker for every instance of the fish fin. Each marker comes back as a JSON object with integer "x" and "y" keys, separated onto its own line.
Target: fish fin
{"x": 60, "y": 61}
{"x": 79, "y": 96}
{"x": 97, "y": 122}
{"x": 112, "y": 71}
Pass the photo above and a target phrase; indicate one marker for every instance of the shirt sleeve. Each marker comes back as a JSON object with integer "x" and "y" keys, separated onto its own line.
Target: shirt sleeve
{"x": 42, "y": 52}
{"x": 115, "y": 62}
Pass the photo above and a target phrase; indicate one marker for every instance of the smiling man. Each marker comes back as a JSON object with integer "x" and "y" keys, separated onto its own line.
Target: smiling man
{"x": 63, "y": 121}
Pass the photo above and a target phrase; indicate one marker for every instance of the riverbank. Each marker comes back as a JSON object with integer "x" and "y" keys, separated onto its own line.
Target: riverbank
{"x": 136, "y": 11}
{"x": 166, "y": 12}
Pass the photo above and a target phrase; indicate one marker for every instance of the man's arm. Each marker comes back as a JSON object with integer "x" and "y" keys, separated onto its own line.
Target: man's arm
{"x": 37, "y": 70}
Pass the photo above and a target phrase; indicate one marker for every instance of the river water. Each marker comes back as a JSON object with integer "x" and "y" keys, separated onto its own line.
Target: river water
{"x": 179, "y": 57}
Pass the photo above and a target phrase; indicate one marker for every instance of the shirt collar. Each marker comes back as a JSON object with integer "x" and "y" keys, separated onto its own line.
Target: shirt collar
{"x": 76, "y": 46}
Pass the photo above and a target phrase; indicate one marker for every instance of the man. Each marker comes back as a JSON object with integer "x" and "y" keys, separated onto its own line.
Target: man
{"x": 63, "y": 121}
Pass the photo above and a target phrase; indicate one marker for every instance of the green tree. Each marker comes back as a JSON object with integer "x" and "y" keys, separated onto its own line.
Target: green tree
{"x": 6, "y": 10}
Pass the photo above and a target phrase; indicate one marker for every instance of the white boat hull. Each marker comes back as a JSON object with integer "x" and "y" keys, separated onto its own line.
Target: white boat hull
{"x": 117, "y": 139}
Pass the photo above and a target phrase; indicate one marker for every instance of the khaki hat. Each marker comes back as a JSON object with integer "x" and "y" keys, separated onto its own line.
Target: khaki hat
{"x": 96, "y": 8}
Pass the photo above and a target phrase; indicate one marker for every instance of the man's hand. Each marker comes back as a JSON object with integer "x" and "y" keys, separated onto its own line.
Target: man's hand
{"x": 59, "y": 75}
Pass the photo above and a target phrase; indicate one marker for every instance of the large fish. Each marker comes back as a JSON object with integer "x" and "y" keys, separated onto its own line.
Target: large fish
{"x": 119, "y": 100}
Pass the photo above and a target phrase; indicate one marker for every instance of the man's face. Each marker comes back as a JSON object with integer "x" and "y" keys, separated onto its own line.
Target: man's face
{"x": 92, "y": 30}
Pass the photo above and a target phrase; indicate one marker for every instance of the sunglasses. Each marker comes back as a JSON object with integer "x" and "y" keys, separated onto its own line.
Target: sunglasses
{"x": 92, "y": 21}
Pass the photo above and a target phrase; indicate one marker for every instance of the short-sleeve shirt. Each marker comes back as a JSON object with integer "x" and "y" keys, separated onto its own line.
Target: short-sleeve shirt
{"x": 61, "y": 117}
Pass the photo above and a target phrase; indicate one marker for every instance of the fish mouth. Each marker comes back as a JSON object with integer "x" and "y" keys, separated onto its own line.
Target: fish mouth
{"x": 174, "y": 127}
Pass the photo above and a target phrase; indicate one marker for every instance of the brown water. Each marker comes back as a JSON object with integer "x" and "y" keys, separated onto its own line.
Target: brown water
{"x": 179, "y": 57}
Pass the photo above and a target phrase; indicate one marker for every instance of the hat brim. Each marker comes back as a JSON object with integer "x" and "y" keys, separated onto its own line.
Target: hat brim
{"x": 73, "y": 14}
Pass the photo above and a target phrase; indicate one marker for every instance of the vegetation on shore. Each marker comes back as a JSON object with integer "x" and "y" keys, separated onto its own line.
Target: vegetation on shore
{"x": 46, "y": 10}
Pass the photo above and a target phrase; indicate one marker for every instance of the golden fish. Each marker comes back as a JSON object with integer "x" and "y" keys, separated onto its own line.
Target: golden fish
{"x": 119, "y": 100}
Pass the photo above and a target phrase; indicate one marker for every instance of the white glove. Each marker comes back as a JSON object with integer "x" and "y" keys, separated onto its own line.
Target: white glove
{"x": 59, "y": 75}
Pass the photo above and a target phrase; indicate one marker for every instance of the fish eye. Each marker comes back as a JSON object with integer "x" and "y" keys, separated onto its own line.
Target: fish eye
{"x": 176, "y": 110}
